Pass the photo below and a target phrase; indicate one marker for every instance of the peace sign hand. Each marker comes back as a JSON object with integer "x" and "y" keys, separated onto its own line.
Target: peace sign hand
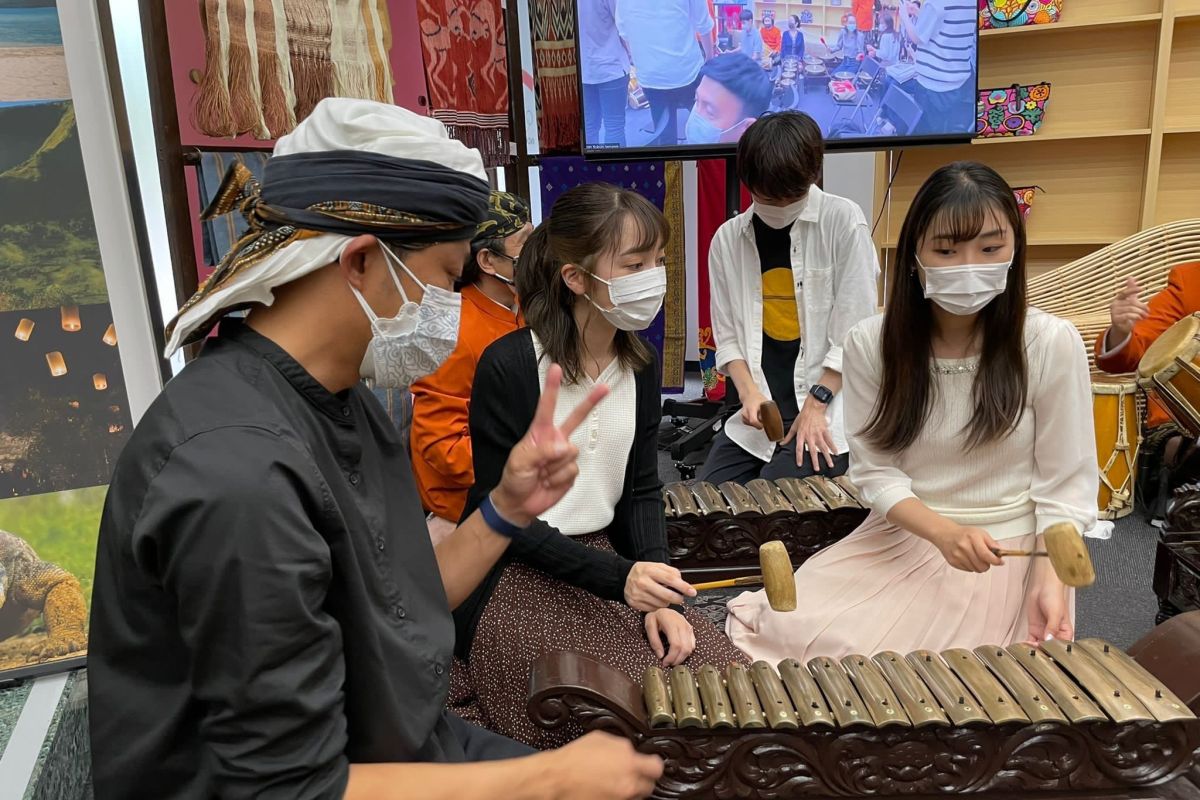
{"x": 541, "y": 468}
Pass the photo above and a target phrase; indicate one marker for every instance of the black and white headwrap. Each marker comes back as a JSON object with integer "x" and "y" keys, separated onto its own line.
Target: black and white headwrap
{"x": 353, "y": 167}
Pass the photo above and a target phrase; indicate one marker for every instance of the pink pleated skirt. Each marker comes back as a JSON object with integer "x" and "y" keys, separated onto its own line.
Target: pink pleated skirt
{"x": 882, "y": 588}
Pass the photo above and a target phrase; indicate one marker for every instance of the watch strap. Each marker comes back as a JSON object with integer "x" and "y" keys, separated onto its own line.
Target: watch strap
{"x": 496, "y": 522}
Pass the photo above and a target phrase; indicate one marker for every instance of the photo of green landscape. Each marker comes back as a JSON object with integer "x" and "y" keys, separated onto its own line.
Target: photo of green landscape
{"x": 48, "y": 250}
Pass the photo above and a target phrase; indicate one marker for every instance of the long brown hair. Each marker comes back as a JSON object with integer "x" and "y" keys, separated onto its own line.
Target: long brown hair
{"x": 958, "y": 200}
{"x": 586, "y": 223}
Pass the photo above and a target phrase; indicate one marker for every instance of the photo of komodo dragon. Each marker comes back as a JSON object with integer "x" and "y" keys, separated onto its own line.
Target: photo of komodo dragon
{"x": 30, "y": 586}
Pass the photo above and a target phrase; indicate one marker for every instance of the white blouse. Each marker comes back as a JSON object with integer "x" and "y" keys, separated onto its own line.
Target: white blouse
{"x": 604, "y": 440}
{"x": 1044, "y": 472}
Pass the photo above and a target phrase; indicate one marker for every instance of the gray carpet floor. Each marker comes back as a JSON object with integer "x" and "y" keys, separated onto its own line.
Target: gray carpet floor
{"x": 1120, "y": 606}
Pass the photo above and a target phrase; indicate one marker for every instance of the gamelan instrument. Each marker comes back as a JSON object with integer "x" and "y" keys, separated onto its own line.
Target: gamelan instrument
{"x": 1067, "y": 552}
{"x": 1118, "y": 437}
{"x": 1177, "y": 555}
{"x": 715, "y": 532}
{"x": 777, "y": 578}
{"x": 1171, "y": 369}
{"x": 1066, "y": 717}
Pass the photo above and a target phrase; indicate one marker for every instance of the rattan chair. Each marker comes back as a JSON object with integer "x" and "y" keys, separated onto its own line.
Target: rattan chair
{"x": 1082, "y": 290}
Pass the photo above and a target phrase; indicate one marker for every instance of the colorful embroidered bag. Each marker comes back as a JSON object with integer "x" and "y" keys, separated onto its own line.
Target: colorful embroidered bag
{"x": 1013, "y": 13}
{"x": 1014, "y": 111}
{"x": 1024, "y": 195}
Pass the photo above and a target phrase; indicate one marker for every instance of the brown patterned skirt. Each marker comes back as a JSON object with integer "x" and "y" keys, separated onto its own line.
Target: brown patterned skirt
{"x": 529, "y": 614}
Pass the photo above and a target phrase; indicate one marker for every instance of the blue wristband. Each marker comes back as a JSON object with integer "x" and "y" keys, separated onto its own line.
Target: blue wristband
{"x": 496, "y": 522}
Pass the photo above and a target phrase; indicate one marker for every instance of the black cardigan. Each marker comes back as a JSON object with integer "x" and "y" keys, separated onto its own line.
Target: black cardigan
{"x": 504, "y": 398}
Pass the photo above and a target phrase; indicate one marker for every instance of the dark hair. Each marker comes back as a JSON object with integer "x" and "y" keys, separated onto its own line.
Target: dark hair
{"x": 585, "y": 224}
{"x": 743, "y": 77}
{"x": 795, "y": 18}
{"x": 746, "y": 15}
{"x": 888, "y": 22}
{"x": 780, "y": 156}
{"x": 471, "y": 269}
{"x": 958, "y": 200}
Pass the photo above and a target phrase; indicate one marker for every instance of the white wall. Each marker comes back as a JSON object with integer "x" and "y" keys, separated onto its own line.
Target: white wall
{"x": 852, "y": 175}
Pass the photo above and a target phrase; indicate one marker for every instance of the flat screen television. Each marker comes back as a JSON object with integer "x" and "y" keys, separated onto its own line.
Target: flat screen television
{"x": 687, "y": 77}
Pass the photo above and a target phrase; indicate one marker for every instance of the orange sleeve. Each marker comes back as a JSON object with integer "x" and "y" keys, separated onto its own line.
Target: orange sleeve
{"x": 441, "y": 436}
{"x": 864, "y": 14}
{"x": 1180, "y": 298}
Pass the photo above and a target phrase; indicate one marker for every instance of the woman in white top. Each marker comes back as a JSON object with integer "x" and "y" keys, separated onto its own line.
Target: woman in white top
{"x": 590, "y": 575}
{"x": 971, "y": 430}
{"x": 887, "y": 52}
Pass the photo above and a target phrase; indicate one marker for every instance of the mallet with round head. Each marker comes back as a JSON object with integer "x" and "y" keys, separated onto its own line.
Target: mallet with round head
{"x": 777, "y": 577}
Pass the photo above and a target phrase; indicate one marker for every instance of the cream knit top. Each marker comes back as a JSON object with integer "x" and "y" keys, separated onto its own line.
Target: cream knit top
{"x": 1044, "y": 472}
{"x": 604, "y": 440}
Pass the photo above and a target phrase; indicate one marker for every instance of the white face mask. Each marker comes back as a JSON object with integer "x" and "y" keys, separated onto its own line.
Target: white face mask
{"x": 965, "y": 289}
{"x": 415, "y": 342}
{"x": 779, "y": 217}
{"x": 636, "y": 298}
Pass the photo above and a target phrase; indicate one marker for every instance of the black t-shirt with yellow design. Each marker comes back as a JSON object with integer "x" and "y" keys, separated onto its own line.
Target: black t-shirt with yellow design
{"x": 781, "y": 316}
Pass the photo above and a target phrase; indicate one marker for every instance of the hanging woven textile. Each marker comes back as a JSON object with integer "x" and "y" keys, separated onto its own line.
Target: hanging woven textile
{"x": 466, "y": 69}
{"x": 267, "y": 63}
{"x": 556, "y": 74}
{"x": 710, "y": 215}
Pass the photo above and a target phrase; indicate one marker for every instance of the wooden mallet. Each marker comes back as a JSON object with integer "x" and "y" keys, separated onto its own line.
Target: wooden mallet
{"x": 771, "y": 420}
{"x": 776, "y": 578}
{"x": 1067, "y": 552}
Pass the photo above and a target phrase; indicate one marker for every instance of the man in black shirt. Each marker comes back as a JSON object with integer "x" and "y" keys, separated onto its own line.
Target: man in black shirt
{"x": 269, "y": 617}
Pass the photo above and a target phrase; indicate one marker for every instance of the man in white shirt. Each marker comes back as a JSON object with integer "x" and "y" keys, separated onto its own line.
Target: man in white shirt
{"x": 669, "y": 41}
{"x": 944, "y": 32}
{"x": 790, "y": 277}
{"x": 604, "y": 64}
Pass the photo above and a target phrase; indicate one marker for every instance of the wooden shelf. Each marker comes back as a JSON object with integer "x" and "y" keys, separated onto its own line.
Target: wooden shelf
{"x": 1179, "y": 178}
{"x": 1080, "y": 21}
{"x": 1058, "y": 135}
{"x": 1099, "y": 77}
{"x": 1092, "y": 187}
{"x": 1187, "y": 8}
{"x": 1183, "y": 77}
{"x": 1119, "y": 150}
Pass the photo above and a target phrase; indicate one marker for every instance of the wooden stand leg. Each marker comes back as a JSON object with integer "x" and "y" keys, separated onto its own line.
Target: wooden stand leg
{"x": 1172, "y": 652}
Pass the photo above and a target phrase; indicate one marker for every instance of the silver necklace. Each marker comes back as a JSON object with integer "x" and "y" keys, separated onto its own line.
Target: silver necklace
{"x": 955, "y": 369}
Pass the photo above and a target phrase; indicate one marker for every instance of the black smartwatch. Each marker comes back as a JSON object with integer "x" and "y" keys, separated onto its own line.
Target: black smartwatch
{"x": 821, "y": 393}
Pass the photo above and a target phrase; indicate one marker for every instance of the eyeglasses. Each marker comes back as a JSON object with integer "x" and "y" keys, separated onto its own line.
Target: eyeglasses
{"x": 513, "y": 259}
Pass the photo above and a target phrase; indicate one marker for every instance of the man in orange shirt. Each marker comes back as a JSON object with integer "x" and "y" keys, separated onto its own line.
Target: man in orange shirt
{"x": 772, "y": 37}
{"x": 441, "y": 439}
{"x": 1134, "y": 327}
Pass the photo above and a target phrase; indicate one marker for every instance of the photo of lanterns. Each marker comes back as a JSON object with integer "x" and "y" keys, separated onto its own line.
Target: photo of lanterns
{"x": 70, "y": 318}
{"x": 63, "y": 416}
{"x": 58, "y": 365}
